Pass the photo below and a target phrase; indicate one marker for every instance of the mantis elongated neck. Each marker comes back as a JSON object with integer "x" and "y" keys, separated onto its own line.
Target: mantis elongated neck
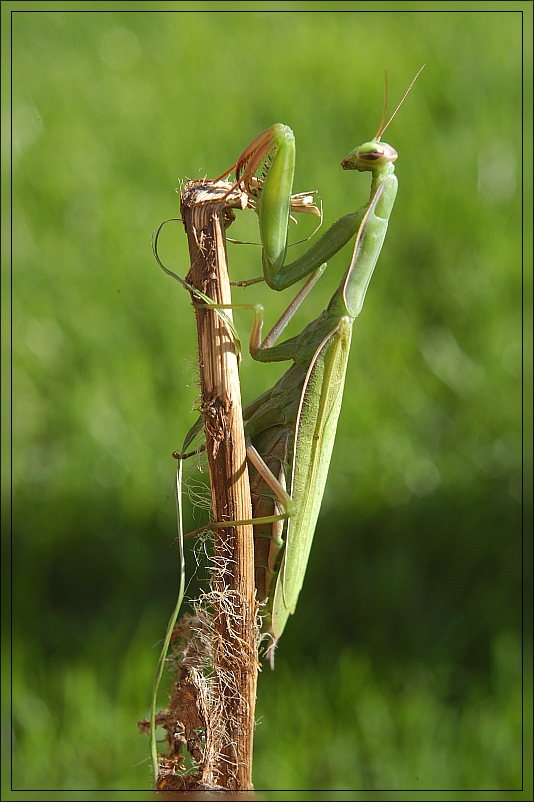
{"x": 350, "y": 295}
{"x": 378, "y": 176}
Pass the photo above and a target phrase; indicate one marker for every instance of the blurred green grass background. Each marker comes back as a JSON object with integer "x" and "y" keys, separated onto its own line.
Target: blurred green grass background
{"x": 402, "y": 666}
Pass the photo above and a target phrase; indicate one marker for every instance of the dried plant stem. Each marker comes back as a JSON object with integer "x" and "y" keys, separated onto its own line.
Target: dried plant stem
{"x": 234, "y": 649}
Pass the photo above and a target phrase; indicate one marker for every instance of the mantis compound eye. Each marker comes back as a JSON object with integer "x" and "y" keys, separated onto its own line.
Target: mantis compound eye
{"x": 369, "y": 156}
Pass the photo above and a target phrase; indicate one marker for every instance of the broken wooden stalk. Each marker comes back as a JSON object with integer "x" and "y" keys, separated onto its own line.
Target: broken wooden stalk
{"x": 235, "y": 633}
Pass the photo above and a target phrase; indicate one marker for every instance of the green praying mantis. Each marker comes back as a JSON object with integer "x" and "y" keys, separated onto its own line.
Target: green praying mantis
{"x": 290, "y": 429}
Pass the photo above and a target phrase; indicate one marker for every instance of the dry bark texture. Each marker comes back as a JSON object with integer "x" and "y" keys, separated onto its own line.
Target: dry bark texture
{"x": 210, "y": 717}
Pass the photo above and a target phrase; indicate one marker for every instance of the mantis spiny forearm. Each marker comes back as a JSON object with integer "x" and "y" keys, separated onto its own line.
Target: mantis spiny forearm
{"x": 273, "y": 154}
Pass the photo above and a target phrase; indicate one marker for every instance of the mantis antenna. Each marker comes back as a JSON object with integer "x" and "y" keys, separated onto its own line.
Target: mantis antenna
{"x": 383, "y": 127}
{"x": 378, "y": 133}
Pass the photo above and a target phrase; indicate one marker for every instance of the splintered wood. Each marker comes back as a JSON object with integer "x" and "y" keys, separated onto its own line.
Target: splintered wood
{"x": 210, "y": 718}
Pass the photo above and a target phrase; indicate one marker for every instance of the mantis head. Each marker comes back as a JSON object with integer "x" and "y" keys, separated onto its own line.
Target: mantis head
{"x": 373, "y": 155}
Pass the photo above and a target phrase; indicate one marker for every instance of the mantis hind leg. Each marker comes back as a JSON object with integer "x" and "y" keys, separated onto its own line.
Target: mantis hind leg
{"x": 280, "y": 492}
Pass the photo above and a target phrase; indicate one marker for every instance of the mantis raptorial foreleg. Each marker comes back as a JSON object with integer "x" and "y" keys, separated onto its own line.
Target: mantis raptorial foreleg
{"x": 273, "y": 152}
